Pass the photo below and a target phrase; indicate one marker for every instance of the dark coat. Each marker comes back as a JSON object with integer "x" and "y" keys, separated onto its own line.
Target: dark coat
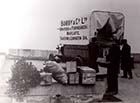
{"x": 93, "y": 55}
{"x": 114, "y": 58}
{"x": 125, "y": 57}
{"x": 113, "y": 68}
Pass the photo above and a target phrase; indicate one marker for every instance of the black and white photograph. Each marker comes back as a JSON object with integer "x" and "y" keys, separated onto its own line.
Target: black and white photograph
{"x": 69, "y": 51}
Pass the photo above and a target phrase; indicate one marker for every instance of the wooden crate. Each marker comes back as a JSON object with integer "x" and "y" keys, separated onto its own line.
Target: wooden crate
{"x": 73, "y": 78}
{"x": 71, "y": 66}
{"x": 87, "y": 75}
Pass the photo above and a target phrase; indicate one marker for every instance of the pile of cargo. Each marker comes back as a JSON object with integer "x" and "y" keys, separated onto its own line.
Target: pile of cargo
{"x": 80, "y": 74}
{"x": 70, "y": 74}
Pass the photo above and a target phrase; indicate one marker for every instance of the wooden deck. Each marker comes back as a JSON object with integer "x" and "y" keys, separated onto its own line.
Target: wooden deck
{"x": 57, "y": 88}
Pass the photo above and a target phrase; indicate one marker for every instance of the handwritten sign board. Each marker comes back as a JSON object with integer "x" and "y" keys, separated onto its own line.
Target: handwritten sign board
{"x": 74, "y": 31}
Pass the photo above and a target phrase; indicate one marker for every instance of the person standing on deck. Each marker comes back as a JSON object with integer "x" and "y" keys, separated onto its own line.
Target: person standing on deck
{"x": 113, "y": 69}
{"x": 126, "y": 60}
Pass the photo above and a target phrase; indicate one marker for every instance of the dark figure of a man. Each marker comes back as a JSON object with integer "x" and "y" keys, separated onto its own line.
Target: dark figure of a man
{"x": 126, "y": 59}
{"x": 113, "y": 69}
{"x": 93, "y": 54}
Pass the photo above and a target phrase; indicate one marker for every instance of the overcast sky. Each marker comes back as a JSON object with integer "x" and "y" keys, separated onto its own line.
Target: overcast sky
{"x": 33, "y": 23}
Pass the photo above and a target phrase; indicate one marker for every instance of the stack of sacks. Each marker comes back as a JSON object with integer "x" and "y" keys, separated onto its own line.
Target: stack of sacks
{"x": 58, "y": 73}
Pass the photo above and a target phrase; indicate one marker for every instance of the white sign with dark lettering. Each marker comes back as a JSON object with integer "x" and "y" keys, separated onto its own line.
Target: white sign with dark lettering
{"x": 74, "y": 31}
